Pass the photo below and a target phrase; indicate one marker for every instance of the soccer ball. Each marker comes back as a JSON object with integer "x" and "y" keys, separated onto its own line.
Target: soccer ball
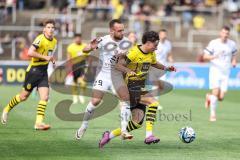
{"x": 187, "y": 134}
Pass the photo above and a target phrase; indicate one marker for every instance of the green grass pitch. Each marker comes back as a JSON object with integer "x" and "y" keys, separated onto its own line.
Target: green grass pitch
{"x": 219, "y": 140}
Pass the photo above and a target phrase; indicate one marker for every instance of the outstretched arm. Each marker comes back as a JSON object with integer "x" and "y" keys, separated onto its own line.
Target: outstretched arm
{"x": 92, "y": 45}
{"x": 162, "y": 67}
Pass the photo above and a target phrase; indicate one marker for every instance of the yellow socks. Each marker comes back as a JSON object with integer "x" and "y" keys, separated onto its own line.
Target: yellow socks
{"x": 41, "y": 111}
{"x": 14, "y": 101}
{"x": 150, "y": 118}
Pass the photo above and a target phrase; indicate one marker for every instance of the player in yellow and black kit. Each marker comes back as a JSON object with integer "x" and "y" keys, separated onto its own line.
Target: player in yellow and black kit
{"x": 77, "y": 59}
{"x": 135, "y": 66}
{"x": 41, "y": 52}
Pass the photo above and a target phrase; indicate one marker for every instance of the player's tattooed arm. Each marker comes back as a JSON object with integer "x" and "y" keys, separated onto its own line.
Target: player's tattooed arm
{"x": 32, "y": 52}
{"x": 162, "y": 67}
{"x": 92, "y": 45}
{"x": 121, "y": 65}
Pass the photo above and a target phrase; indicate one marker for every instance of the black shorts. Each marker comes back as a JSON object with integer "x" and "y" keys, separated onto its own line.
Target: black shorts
{"x": 135, "y": 91}
{"x": 37, "y": 76}
{"x": 78, "y": 70}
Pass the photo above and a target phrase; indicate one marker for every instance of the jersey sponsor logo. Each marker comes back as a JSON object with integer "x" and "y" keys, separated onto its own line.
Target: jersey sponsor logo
{"x": 123, "y": 45}
{"x": 145, "y": 67}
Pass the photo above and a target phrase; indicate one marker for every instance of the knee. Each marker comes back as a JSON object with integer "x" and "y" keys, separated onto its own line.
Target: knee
{"x": 124, "y": 97}
{"x": 95, "y": 102}
{"x": 45, "y": 98}
{"x": 23, "y": 97}
{"x": 220, "y": 99}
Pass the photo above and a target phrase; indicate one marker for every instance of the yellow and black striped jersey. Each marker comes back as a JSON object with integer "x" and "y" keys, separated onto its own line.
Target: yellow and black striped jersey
{"x": 139, "y": 62}
{"x": 76, "y": 50}
{"x": 43, "y": 46}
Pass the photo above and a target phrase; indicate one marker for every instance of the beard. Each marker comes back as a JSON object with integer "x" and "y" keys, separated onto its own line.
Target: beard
{"x": 118, "y": 37}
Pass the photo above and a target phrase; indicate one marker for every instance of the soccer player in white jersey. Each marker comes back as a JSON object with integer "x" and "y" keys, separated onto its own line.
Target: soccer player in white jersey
{"x": 163, "y": 56}
{"x": 103, "y": 81}
{"x": 221, "y": 53}
{"x": 164, "y": 48}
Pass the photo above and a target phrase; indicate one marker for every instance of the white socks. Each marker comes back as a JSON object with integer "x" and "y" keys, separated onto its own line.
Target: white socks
{"x": 88, "y": 114}
{"x": 213, "y": 105}
{"x": 125, "y": 115}
{"x": 148, "y": 134}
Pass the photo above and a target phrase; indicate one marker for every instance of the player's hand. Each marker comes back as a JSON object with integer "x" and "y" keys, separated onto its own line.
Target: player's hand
{"x": 131, "y": 73}
{"x": 234, "y": 64}
{"x": 94, "y": 43}
{"x": 50, "y": 58}
{"x": 170, "y": 69}
{"x": 54, "y": 61}
{"x": 122, "y": 54}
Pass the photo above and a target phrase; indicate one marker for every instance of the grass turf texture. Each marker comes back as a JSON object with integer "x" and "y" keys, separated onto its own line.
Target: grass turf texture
{"x": 219, "y": 140}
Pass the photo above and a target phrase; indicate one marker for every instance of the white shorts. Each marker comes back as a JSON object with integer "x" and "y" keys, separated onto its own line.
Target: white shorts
{"x": 50, "y": 69}
{"x": 218, "y": 79}
{"x": 69, "y": 80}
{"x": 108, "y": 81}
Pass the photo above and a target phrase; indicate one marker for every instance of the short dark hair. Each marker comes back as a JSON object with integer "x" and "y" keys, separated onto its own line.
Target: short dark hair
{"x": 151, "y": 36}
{"x": 112, "y": 22}
{"x": 163, "y": 30}
{"x": 77, "y": 35}
{"x": 226, "y": 28}
{"x": 47, "y": 21}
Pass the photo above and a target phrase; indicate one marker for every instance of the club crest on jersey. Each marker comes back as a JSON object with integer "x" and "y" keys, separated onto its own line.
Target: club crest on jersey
{"x": 29, "y": 86}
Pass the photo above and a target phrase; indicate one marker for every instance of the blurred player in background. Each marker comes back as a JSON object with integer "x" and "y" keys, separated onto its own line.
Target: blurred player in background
{"x": 221, "y": 53}
{"x": 132, "y": 37}
{"x": 164, "y": 48}
{"x": 136, "y": 66}
{"x": 41, "y": 51}
{"x": 103, "y": 81}
{"x": 76, "y": 58}
{"x": 163, "y": 56}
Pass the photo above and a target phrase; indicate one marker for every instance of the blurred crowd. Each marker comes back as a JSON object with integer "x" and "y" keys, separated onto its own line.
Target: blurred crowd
{"x": 193, "y": 14}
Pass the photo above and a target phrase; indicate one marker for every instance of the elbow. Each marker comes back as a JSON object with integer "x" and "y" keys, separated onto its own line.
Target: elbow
{"x": 30, "y": 54}
{"x": 204, "y": 57}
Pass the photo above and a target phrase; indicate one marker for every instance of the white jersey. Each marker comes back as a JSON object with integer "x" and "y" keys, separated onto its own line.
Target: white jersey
{"x": 108, "y": 78}
{"x": 107, "y": 49}
{"x": 220, "y": 67}
{"x": 224, "y": 51}
{"x": 162, "y": 51}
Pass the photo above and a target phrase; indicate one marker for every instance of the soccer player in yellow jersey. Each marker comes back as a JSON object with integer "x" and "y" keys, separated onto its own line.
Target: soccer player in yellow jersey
{"x": 76, "y": 57}
{"x": 41, "y": 51}
{"x": 135, "y": 66}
